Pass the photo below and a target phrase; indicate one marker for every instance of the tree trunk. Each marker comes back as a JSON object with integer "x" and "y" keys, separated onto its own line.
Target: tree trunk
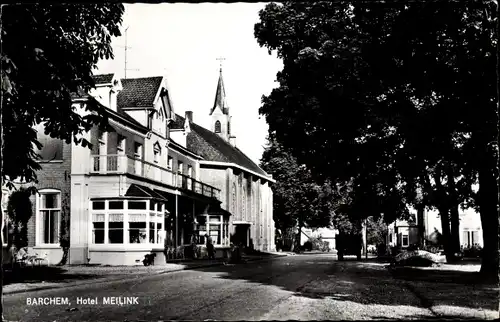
{"x": 454, "y": 241}
{"x": 455, "y": 231}
{"x": 488, "y": 194}
{"x": 444, "y": 214}
{"x": 64, "y": 259}
{"x": 498, "y": 124}
{"x": 297, "y": 238}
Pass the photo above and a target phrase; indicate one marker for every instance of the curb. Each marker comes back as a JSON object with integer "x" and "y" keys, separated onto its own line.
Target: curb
{"x": 124, "y": 277}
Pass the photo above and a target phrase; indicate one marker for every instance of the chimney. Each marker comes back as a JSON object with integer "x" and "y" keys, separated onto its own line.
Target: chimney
{"x": 232, "y": 140}
{"x": 112, "y": 99}
{"x": 189, "y": 116}
{"x": 113, "y": 94}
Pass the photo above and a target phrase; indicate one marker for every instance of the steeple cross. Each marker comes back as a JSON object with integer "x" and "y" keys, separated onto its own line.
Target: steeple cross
{"x": 220, "y": 59}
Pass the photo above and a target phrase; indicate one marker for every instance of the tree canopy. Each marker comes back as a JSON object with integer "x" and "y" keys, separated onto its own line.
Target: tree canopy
{"x": 297, "y": 198}
{"x": 391, "y": 99}
{"x": 48, "y": 54}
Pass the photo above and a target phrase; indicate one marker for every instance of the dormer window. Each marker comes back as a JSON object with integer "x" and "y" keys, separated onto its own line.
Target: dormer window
{"x": 217, "y": 127}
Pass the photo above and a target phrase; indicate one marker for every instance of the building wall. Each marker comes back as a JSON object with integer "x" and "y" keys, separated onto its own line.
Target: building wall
{"x": 470, "y": 221}
{"x": 257, "y": 200}
{"x": 53, "y": 175}
{"x": 139, "y": 115}
{"x": 186, "y": 160}
{"x": 224, "y": 122}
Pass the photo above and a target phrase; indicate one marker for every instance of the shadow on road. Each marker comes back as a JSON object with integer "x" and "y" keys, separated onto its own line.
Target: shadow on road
{"x": 38, "y": 274}
{"x": 369, "y": 282}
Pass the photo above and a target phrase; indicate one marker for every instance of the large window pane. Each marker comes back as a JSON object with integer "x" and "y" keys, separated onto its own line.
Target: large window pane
{"x": 215, "y": 218}
{"x": 137, "y": 232}
{"x": 50, "y": 200}
{"x": 136, "y": 205}
{"x": 115, "y": 232}
{"x": 98, "y": 205}
{"x": 98, "y": 233}
{"x": 152, "y": 233}
{"x": 116, "y": 205}
{"x": 50, "y": 226}
{"x": 158, "y": 233}
{"x": 215, "y": 233}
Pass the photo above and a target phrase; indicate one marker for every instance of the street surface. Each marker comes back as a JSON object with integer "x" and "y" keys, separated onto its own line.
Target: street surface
{"x": 302, "y": 287}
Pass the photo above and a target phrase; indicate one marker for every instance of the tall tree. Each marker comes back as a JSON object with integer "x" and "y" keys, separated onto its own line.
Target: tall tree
{"x": 298, "y": 200}
{"x": 48, "y": 53}
{"x": 402, "y": 92}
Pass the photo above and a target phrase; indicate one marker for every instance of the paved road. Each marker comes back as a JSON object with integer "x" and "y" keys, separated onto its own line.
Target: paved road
{"x": 304, "y": 287}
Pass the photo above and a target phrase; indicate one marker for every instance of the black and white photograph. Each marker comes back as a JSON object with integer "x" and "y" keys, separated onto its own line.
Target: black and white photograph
{"x": 250, "y": 161}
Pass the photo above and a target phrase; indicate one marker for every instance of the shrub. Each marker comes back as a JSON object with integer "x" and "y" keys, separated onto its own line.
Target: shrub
{"x": 473, "y": 251}
{"x": 316, "y": 243}
{"x": 417, "y": 258}
{"x": 431, "y": 249}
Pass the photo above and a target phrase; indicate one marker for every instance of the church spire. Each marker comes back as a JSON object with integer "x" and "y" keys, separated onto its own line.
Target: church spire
{"x": 221, "y": 120}
{"x": 220, "y": 94}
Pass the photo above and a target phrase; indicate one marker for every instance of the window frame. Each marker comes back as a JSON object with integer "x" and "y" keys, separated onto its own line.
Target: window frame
{"x": 121, "y": 144}
{"x": 170, "y": 162}
{"x": 180, "y": 167}
{"x": 40, "y": 222}
{"x": 217, "y": 127}
{"x": 407, "y": 239}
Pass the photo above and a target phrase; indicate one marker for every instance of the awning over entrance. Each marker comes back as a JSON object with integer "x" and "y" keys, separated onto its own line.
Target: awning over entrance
{"x": 241, "y": 222}
{"x": 216, "y": 210}
{"x": 136, "y": 190}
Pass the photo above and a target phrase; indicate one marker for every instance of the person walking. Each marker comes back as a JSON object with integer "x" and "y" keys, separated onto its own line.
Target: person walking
{"x": 210, "y": 248}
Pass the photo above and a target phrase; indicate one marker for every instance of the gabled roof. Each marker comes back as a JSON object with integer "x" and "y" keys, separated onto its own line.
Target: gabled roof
{"x": 82, "y": 95}
{"x": 138, "y": 92}
{"x": 220, "y": 97}
{"x": 103, "y": 79}
{"x": 211, "y": 147}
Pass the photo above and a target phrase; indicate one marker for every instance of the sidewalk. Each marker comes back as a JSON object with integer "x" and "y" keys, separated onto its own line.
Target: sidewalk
{"x": 369, "y": 290}
{"x": 43, "y": 277}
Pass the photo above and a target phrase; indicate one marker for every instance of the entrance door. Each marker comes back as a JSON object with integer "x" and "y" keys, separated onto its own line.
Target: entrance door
{"x": 241, "y": 235}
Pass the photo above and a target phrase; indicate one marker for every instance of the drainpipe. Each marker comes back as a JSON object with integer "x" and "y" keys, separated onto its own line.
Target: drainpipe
{"x": 176, "y": 220}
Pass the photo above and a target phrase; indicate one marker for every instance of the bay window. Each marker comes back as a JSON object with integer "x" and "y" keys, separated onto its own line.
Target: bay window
{"x": 127, "y": 222}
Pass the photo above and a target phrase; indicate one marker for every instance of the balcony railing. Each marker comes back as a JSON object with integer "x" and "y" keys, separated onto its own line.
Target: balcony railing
{"x": 120, "y": 164}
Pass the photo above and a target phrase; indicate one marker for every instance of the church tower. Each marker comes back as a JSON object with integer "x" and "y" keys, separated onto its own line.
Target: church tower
{"x": 221, "y": 120}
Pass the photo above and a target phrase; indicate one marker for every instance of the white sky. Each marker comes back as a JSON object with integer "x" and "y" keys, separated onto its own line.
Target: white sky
{"x": 182, "y": 41}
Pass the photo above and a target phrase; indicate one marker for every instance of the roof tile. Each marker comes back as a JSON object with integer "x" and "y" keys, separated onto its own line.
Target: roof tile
{"x": 211, "y": 147}
{"x": 103, "y": 79}
{"x": 138, "y": 92}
